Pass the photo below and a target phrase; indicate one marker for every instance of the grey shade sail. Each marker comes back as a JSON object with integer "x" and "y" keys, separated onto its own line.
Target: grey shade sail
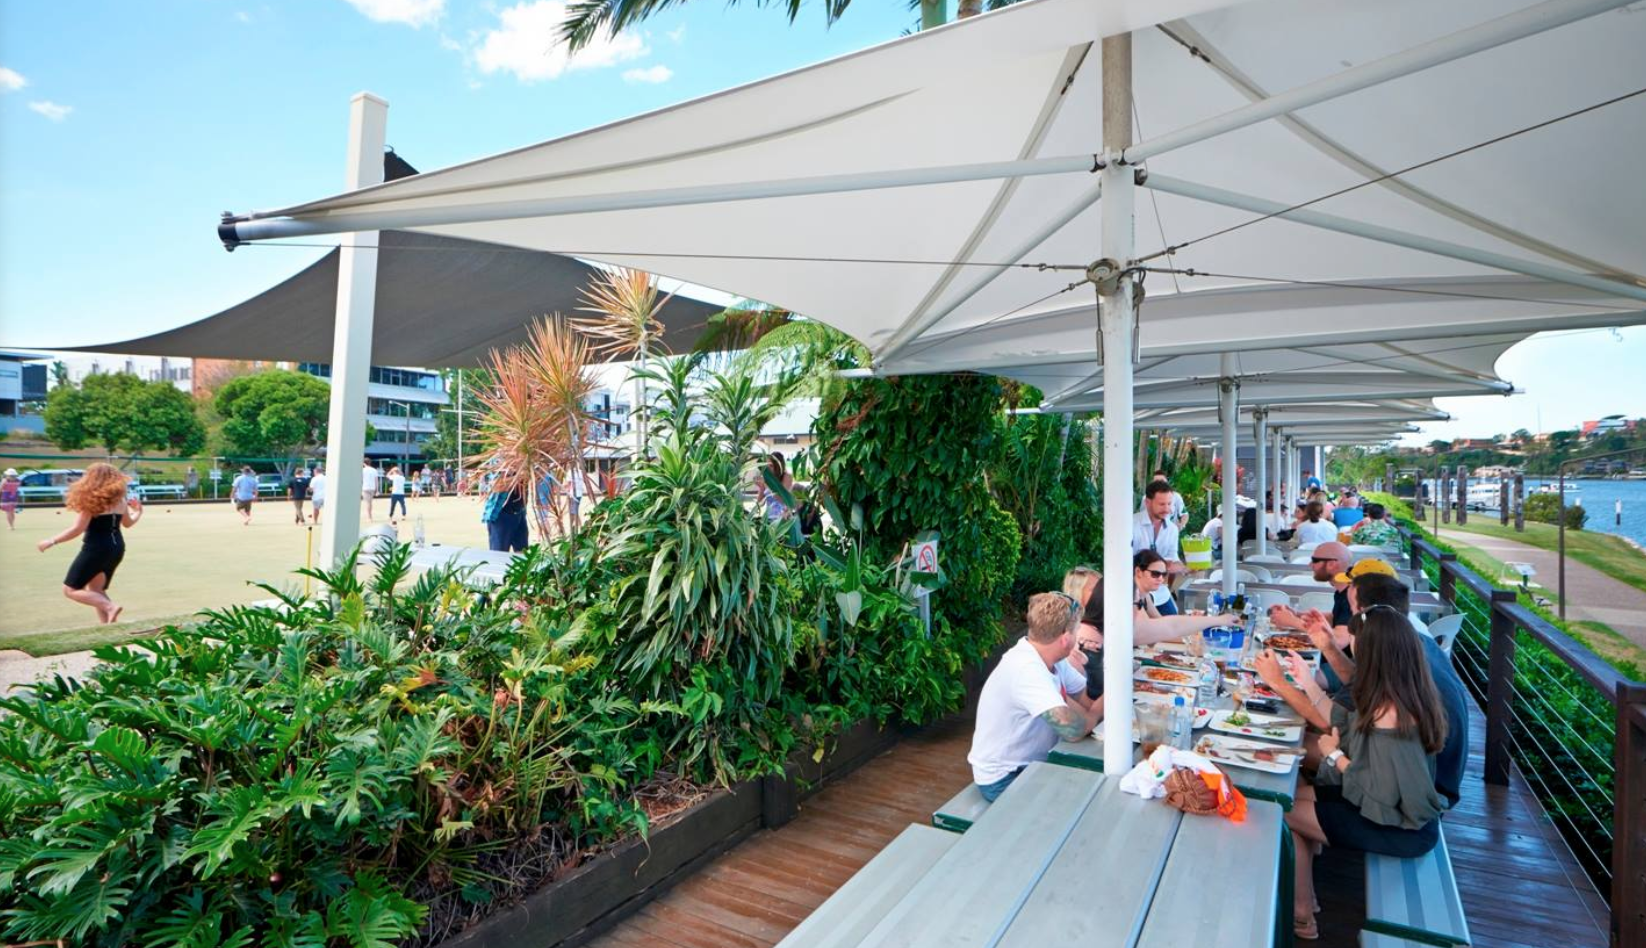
{"x": 442, "y": 302}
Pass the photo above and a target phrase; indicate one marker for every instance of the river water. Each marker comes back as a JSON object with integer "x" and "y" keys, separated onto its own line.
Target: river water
{"x": 1599, "y": 497}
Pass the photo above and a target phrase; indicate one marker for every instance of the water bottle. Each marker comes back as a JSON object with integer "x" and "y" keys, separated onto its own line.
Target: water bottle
{"x": 1181, "y": 722}
{"x": 1207, "y": 692}
{"x": 418, "y": 537}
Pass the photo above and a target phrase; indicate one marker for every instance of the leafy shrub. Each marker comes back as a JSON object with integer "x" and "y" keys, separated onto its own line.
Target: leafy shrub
{"x": 914, "y": 452}
{"x": 1545, "y": 508}
{"x": 699, "y": 607}
{"x": 1044, "y": 480}
{"x": 282, "y": 776}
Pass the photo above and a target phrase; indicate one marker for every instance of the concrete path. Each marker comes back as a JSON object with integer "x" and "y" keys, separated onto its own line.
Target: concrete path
{"x": 1590, "y": 594}
{"x": 20, "y": 668}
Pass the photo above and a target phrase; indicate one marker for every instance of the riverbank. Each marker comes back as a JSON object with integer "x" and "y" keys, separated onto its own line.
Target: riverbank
{"x": 1616, "y": 556}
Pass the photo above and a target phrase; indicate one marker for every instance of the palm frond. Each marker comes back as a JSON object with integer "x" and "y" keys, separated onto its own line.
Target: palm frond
{"x": 625, "y": 305}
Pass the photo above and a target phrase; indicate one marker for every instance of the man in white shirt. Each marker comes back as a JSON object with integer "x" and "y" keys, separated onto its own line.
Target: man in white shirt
{"x": 1025, "y": 707}
{"x": 368, "y": 486}
{"x": 1180, "y": 513}
{"x": 317, "y": 493}
{"x": 1154, "y": 529}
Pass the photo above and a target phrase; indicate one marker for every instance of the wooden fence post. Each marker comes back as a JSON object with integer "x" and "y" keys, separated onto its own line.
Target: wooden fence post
{"x": 1502, "y": 501}
{"x": 1462, "y": 495}
{"x": 1448, "y": 581}
{"x": 1445, "y": 498}
{"x": 1520, "y": 503}
{"x": 1500, "y": 690}
{"x": 1629, "y": 819}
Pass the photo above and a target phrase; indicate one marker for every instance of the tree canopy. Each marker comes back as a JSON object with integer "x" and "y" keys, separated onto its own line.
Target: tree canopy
{"x": 123, "y": 413}
{"x": 276, "y": 413}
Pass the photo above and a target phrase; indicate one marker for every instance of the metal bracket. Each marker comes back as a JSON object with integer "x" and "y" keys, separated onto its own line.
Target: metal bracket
{"x": 1105, "y": 274}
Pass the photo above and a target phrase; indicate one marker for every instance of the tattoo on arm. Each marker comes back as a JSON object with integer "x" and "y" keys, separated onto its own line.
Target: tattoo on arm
{"x": 1066, "y": 723}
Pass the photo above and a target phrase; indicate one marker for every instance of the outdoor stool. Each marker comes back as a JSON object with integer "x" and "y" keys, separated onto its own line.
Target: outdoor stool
{"x": 859, "y": 905}
{"x": 1416, "y": 898}
{"x": 958, "y": 815}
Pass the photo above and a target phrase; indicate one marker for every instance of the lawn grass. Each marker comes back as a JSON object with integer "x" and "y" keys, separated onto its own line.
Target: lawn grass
{"x": 180, "y": 558}
{"x": 1610, "y": 554}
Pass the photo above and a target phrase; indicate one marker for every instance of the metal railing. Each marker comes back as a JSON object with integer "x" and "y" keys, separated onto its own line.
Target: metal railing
{"x": 1574, "y": 725}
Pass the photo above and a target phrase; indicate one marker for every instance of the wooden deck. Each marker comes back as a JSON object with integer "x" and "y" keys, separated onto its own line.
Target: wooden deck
{"x": 1521, "y": 886}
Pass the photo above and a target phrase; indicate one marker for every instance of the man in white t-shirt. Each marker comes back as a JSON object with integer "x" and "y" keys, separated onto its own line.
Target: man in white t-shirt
{"x": 1025, "y": 707}
{"x": 317, "y": 493}
{"x": 368, "y": 486}
{"x": 1154, "y": 529}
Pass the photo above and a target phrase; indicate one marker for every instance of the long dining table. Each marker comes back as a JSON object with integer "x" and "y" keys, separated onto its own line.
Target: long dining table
{"x": 1064, "y": 856}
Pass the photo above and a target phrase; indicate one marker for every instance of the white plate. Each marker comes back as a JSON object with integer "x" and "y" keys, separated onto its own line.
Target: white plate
{"x": 1201, "y": 717}
{"x": 1148, "y": 672}
{"x": 1237, "y": 753}
{"x": 1263, "y": 727}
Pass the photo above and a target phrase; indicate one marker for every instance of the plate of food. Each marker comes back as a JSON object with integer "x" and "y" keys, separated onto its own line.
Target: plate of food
{"x": 1291, "y": 642}
{"x": 1155, "y": 691}
{"x": 1202, "y": 717}
{"x": 1177, "y": 660}
{"x": 1262, "y": 726}
{"x": 1165, "y": 676}
{"x": 1265, "y": 757}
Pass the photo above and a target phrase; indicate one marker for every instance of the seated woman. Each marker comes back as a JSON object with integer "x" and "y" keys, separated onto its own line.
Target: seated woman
{"x": 1375, "y": 790}
{"x": 1148, "y": 625}
{"x": 1315, "y": 528}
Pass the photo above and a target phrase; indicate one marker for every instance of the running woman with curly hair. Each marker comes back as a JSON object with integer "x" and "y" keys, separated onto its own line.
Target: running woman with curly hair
{"x": 100, "y": 499}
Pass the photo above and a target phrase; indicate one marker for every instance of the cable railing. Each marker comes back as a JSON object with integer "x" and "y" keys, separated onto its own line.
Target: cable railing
{"x": 1573, "y": 725}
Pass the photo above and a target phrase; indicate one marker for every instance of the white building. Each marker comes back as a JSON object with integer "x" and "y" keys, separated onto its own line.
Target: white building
{"x": 403, "y": 405}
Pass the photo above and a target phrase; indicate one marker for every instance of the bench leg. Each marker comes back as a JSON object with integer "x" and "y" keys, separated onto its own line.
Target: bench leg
{"x": 1286, "y": 889}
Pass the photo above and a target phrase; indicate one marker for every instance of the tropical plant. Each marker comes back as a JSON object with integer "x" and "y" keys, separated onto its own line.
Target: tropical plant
{"x": 1043, "y": 478}
{"x": 625, "y": 303}
{"x": 1545, "y": 508}
{"x": 699, "y": 609}
{"x": 535, "y": 422}
{"x": 284, "y": 775}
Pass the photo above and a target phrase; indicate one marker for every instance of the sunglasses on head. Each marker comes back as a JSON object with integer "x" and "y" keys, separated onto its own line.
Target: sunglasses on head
{"x": 1074, "y": 604}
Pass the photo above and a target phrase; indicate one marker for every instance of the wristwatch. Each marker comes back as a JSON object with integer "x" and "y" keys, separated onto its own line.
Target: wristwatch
{"x": 1334, "y": 757}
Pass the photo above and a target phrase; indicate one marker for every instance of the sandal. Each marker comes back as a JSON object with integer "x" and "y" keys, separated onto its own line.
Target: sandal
{"x": 1306, "y": 929}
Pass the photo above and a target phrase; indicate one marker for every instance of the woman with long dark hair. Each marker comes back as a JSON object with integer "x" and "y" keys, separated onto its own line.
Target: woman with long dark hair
{"x": 1375, "y": 790}
{"x": 99, "y": 498}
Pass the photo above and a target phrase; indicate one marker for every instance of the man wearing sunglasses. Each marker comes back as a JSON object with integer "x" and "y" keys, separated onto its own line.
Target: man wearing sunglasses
{"x": 1327, "y": 561}
{"x": 1026, "y": 707}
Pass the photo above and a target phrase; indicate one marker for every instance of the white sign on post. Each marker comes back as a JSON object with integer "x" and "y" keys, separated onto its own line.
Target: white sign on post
{"x": 925, "y": 556}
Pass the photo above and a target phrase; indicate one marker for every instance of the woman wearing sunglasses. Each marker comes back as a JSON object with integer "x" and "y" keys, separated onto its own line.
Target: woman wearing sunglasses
{"x": 1149, "y": 573}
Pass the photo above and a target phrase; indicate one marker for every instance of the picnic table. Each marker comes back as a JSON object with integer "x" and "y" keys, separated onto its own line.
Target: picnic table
{"x": 1409, "y": 576}
{"x": 1423, "y": 603}
{"x": 1064, "y": 856}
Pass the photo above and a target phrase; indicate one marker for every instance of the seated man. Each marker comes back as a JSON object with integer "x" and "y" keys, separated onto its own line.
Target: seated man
{"x": 1375, "y": 529}
{"x": 1025, "y": 709}
{"x": 1327, "y": 562}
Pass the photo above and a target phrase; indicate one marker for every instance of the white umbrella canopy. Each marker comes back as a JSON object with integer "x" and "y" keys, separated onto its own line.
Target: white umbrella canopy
{"x": 1291, "y": 417}
{"x": 678, "y": 192}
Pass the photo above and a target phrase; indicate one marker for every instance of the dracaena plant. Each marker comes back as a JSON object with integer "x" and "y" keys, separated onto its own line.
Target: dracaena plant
{"x": 283, "y": 776}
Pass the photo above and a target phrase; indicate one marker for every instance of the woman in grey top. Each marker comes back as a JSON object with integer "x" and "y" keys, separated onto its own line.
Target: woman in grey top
{"x": 1375, "y": 790}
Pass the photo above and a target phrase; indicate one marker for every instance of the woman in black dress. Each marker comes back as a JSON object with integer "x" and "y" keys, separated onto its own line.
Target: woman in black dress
{"x": 99, "y": 498}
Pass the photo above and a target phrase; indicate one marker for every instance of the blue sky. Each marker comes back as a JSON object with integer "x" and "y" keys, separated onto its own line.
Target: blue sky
{"x": 127, "y": 127}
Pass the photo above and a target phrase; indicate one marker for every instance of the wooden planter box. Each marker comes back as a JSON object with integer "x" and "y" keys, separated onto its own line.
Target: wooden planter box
{"x": 613, "y": 885}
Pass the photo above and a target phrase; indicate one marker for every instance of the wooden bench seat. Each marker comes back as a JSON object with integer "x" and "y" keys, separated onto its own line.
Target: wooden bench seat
{"x": 1416, "y": 898}
{"x": 1376, "y": 940}
{"x": 962, "y": 810}
{"x": 860, "y": 904}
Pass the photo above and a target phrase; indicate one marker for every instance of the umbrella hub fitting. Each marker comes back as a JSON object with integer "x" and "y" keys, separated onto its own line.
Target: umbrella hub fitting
{"x": 1105, "y": 274}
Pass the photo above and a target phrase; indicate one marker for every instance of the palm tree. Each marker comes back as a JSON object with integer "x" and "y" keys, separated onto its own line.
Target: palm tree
{"x": 586, "y": 19}
{"x": 625, "y": 303}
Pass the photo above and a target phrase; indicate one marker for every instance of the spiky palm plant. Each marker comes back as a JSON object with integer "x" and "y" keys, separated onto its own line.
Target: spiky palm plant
{"x": 625, "y": 304}
{"x": 535, "y": 418}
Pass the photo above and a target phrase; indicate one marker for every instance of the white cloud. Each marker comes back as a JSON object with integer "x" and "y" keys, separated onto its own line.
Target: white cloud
{"x": 527, "y": 43}
{"x": 413, "y": 13}
{"x": 242, "y": 16}
{"x": 52, "y": 110}
{"x": 654, "y": 74}
{"x": 11, "y": 80}
{"x": 677, "y": 34}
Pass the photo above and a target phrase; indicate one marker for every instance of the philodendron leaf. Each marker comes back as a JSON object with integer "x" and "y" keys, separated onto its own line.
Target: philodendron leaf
{"x": 851, "y": 604}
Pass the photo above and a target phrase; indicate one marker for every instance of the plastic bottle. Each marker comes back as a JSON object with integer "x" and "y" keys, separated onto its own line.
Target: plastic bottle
{"x": 1207, "y": 693}
{"x": 418, "y": 537}
{"x": 1181, "y": 721}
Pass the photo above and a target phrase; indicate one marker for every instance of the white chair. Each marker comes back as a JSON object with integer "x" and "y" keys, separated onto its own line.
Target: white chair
{"x": 1417, "y": 622}
{"x": 1303, "y": 553}
{"x": 1304, "y": 580}
{"x": 1242, "y": 576}
{"x": 1315, "y": 600}
{"x": 1247, "y": 546}
{"x": 1264, "y": 598}
{"x": 1444, "y": 631}
{"x": 1266, "y": 558}
{"x": 1257, "y": 573}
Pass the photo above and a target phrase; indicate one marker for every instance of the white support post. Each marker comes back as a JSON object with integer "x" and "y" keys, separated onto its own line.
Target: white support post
{"x": 1260, "y": 472}
{"x": 1115, "y": 343}
{"x": 351, "y": 340}
{"x": 1228, "y": 390}
{"x": 1279, "y": 479}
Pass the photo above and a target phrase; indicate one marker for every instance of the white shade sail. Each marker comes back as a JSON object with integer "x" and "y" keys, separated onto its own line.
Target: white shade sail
{"x": 1289, "y": 417}
{"x": 679, "y": 192}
